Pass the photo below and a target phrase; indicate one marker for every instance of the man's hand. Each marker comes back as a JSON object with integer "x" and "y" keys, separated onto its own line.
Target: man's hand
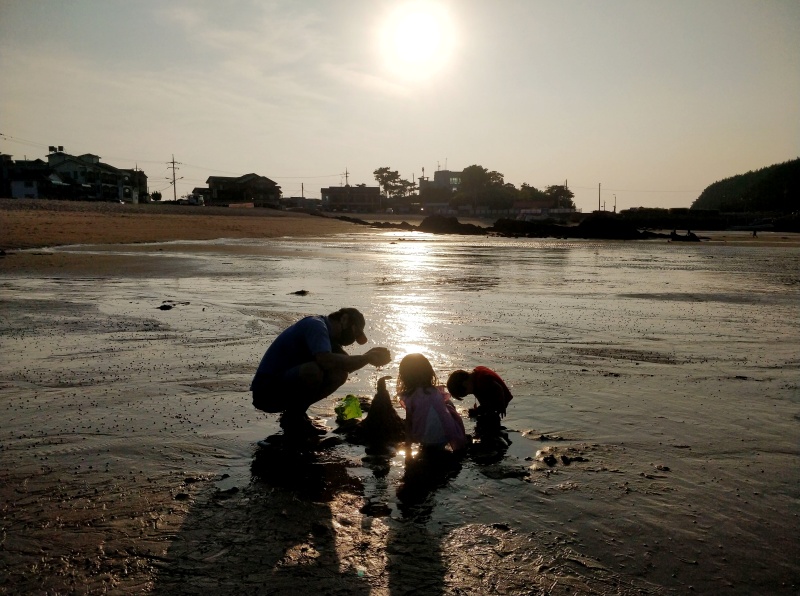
{"x": 378, "y": 356}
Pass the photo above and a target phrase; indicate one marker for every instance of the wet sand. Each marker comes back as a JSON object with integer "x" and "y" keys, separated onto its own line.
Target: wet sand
{"x": 125, "y": 429}
{"x": 114, "y": 450}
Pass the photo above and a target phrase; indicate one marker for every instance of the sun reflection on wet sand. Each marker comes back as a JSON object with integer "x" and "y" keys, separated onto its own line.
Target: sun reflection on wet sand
{"x": 411, "y": 313}
{"x": 410, "y": 321}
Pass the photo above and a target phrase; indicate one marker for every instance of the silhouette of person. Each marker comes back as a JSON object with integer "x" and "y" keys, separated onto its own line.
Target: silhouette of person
{"x": 491, "y": 393}
{"x": 307, "y": 363}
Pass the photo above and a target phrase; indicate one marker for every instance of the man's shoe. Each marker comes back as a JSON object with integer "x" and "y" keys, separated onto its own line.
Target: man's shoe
{"x": 295, "y": 423}
{"x": 318, "y": 429}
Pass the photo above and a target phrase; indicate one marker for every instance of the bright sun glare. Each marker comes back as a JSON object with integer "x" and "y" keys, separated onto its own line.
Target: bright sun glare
{"x": 417, "y": 40}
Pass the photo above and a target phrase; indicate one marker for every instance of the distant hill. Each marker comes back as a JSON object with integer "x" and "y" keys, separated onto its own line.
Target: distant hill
{"x": 772, "y": 189}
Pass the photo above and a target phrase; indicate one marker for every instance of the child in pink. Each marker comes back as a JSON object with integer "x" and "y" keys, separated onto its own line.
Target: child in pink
{"x": 431, "y": 418}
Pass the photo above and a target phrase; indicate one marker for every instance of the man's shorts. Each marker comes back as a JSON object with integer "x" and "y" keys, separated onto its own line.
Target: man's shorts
{"x": 275, "y": 392}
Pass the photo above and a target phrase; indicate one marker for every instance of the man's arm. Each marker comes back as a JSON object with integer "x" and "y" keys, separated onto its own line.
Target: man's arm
{"x": 330, "y": 361}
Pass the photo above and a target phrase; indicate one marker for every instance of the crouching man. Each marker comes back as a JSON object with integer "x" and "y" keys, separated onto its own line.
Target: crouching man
{"x": 307, "y": 362}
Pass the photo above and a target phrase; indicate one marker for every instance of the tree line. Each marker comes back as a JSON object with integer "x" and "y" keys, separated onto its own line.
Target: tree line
{"x": 478, "y": 186}
{"x": 772, "y": 189}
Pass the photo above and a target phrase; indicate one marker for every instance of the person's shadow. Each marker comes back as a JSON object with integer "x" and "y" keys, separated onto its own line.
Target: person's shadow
{"x": 315, "y": 520}
{"x": 415, "y": 563}
{"x": 278, "y": 535}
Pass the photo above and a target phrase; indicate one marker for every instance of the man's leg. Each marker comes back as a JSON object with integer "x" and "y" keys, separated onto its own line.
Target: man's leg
{"x": 305, "y": 385}
{"x": 311, "y": 385}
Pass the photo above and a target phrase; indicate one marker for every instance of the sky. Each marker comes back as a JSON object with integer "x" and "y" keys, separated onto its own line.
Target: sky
{"x": 630, "y": 102}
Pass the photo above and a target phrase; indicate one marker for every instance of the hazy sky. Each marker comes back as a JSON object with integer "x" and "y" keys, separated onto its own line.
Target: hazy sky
{"x": 653, "y": 99}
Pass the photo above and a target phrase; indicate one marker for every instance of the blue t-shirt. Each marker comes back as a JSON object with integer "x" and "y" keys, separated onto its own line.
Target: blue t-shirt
{"x": 296, "y": 345}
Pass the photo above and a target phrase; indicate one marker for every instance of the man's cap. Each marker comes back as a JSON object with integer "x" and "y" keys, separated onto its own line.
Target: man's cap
{"x": 358, "y": 320}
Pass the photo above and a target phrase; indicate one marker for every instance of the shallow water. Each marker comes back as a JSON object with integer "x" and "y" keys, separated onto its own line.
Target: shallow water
{"x": 670, "y": 372}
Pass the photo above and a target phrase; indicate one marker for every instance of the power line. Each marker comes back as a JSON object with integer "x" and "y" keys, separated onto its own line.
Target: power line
{"x": 628, "y": 189}
{"x": 174, "y": 163}
{"x": 22, "y": 141}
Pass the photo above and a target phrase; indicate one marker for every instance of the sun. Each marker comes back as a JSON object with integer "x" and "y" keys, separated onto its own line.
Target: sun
{"x": 417, "y": 40}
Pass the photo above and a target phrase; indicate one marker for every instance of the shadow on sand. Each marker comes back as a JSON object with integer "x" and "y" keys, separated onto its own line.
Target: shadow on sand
{"x": 308, "y": 523}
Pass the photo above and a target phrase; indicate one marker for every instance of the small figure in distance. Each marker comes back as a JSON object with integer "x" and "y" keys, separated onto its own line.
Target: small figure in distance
{"x": 432, "y": 420}
{"x": 492, "y": 395}
{"x": 306, "y": 363}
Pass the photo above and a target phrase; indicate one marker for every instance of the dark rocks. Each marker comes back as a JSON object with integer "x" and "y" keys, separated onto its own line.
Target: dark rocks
{"x": 170, "y": 304}
{"x": 598, "y": 226}
{"x": 433, "y": 224}
{"x": 440, "y": 224}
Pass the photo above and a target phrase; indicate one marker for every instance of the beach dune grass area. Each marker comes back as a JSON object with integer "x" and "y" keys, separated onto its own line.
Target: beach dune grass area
{"x": 119, "y": 425}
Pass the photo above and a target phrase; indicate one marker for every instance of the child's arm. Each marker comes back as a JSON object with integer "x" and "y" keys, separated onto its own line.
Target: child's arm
{"x": 407, "y": 422}
{"x": 493, "y": 398}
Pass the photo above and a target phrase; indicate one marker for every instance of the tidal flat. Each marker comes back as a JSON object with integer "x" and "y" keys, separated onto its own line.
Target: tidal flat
{"x": 655, "y": 426}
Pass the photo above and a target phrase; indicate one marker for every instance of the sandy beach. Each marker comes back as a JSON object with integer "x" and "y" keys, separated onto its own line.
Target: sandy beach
{"x": 27, "y": 223}
{"x": 129, "y": 458}
{"x": 30, "y": 223}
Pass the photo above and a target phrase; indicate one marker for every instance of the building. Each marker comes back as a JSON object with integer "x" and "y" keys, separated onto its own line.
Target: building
{"x": 65, "y": 176}
{"x": 27, "y": 179}
{"x": 351, "y": 199}
{"x": 442, "y": 179}
{"x": 94, "y": 180}
{"x": 301, "y": 203}
{"x": 250, "y": 188}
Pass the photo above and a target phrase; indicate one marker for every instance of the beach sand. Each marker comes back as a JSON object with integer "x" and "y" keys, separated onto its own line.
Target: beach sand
{"x": 28, "y": 223}
{"x": 115, "y": 436}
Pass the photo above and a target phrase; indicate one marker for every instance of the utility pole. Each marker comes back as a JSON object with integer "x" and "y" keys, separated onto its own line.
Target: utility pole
{"x": 174, "y": 163}
{"x": 598, "y": 196}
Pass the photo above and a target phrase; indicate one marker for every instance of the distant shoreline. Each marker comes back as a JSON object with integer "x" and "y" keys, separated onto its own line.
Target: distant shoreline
{"x": 31, "y": 224}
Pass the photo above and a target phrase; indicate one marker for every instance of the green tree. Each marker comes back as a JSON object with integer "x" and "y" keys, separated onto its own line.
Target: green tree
{"x": 496, "y": 179}
{"x": 775, "y": 188}
{"x": 530, "y": 193}
{"x": 476, "y": 179}
{"x": 405, "y": 188}
{"x": 480, "y": 186}
{"x": 561, "y": 196}
{"x": 387, "y": 179}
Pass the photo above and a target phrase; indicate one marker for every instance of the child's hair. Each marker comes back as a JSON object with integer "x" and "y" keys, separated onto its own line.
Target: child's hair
{"x": 456, "y": 382}
{"x": 415, "y": 372}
